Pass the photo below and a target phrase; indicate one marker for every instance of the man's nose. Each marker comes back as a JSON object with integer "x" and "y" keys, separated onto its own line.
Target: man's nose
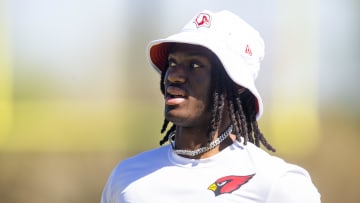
{"x": 176, "y": 74}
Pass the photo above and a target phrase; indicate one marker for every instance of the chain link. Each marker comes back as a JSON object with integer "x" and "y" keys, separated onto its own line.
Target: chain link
{"x": 201, "y": 150}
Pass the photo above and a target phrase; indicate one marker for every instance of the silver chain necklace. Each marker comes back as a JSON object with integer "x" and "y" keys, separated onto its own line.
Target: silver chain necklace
{"x": 201, "y": 150}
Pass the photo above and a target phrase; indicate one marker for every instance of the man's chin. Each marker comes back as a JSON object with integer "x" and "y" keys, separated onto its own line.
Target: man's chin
{"x": 173, "y": 117}
{"x": 176, "y": 117}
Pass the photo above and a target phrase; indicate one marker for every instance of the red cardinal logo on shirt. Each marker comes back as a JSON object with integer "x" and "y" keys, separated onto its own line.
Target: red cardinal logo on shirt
{"x": 228, "y": 184}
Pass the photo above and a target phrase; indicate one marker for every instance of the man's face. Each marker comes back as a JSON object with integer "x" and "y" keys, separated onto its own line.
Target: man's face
{"x": 187, "y": 86}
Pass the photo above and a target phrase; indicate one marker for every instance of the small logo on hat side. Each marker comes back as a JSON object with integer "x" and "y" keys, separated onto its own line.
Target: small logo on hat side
{"x": 203, "y": 20}
{"x": 248, "y": 50}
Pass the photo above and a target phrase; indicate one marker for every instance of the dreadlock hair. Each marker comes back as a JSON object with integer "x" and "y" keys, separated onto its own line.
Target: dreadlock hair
{"x": 241, "y": 108}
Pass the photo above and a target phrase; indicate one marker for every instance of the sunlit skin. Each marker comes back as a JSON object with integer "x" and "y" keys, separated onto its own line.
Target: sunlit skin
{"x": 187, "y": 97}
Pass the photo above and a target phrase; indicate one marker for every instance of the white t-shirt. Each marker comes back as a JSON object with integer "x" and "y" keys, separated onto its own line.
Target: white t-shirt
{"x": 241, "y": 174}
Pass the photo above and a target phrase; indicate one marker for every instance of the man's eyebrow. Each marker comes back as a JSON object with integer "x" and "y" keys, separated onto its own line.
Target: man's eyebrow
{"x": 196, "y": 54}
{"x": 192, "y": 54}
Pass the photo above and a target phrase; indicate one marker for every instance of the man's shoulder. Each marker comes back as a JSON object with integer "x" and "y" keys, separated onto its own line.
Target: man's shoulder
{"x": 137, "y": 166}
{"x": 147, "y": 159}
{"x": 273, "y": 172}
{"x": 267, "y": 162}
{"x": 267, "y": 166}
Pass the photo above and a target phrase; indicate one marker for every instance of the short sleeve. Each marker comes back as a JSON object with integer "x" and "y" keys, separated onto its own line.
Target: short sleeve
{"x": 293, "y": 187}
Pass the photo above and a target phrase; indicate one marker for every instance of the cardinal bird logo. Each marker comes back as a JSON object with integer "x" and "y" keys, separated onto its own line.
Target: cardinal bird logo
{"x": 203, "y": 20}
{"x": 228, "y": 184}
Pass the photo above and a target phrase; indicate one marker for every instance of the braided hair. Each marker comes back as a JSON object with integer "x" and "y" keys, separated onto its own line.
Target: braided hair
{"x": 241, "y": 105}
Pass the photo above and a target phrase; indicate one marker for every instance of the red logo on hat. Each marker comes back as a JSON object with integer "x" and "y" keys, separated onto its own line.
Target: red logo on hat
{"x": 248, "y": 50}
{"x": 203, "y": 20}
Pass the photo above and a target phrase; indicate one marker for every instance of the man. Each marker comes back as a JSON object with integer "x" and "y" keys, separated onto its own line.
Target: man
{"x": 208, "y": 73}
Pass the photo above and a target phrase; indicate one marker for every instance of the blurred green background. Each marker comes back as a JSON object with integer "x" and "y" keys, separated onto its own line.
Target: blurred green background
{"x": 77, "y": 94}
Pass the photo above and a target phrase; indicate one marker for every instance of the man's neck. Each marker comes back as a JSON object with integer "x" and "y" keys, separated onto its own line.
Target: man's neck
{"x": 196, "y": 137}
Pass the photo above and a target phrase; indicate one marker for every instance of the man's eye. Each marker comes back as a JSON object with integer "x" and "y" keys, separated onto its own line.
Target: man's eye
{"x": 195, "y": 65}
{"x": 172, "y": 64}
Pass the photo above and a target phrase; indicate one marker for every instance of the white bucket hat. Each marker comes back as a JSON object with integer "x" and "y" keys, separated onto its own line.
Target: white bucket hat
{"x": 239, "y": 47}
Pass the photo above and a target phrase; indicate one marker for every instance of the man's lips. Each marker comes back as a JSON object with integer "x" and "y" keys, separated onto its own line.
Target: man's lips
{"x": 174, "y": 95}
